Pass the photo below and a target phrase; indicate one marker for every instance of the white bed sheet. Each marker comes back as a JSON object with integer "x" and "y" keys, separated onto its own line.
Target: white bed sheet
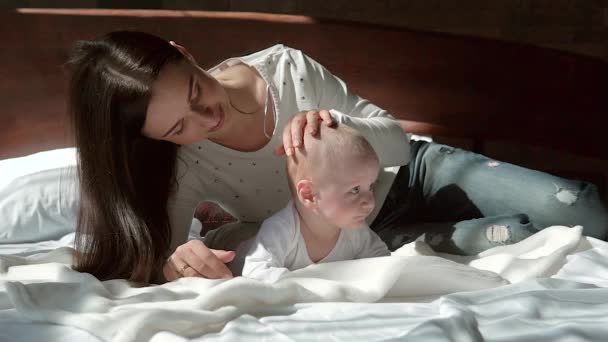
{"x": 558, "y": 292}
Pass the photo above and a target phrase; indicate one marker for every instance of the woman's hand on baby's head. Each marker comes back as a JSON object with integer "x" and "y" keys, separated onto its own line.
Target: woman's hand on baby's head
{"x": 293, "y": 133}
{"x": 194, "y": 259}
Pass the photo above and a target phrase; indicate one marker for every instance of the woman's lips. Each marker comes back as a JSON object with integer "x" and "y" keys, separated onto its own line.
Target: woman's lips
{"x": 220, "y": 121}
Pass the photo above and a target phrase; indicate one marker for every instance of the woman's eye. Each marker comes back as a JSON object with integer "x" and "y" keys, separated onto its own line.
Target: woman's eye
{"x": 355, "y": 190}
{"x": 180, "y": 129}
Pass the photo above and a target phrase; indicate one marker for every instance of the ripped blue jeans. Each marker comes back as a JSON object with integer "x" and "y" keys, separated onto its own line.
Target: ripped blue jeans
{"x": 463, "y": 203}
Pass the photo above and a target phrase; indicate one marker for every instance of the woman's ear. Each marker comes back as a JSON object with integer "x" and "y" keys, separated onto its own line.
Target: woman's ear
{"x": 183, "y": 51}
{"x": 306, "y": 193}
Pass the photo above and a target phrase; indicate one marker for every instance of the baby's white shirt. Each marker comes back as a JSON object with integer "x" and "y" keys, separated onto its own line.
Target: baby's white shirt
{"x": 252, "y": 186}
{"x": 279, "y": 247}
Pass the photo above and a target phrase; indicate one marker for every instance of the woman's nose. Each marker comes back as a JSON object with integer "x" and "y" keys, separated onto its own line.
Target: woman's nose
{"x": 202, "y": 116}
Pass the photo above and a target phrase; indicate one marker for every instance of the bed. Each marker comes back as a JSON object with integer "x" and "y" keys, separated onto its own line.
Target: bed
{"x": 551, "y": 286}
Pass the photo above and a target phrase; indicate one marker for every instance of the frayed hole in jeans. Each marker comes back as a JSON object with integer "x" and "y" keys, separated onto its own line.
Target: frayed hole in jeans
{"x": 447, "y": 150}
{"x": 436, "y": 240}
{"x": 523, "y": 219}
{"x": 498, "y": 233}
{"x": 566, "y": 196}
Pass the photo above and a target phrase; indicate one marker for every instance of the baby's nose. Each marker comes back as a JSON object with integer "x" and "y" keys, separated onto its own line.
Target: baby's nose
{"x": 368, "y": 201}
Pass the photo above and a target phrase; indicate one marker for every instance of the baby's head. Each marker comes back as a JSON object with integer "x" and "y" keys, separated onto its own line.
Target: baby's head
{"x": 333, "y": 176}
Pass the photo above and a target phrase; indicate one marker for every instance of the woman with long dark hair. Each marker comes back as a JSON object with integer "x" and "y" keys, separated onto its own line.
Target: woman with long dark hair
{"x": 156, "y": 134}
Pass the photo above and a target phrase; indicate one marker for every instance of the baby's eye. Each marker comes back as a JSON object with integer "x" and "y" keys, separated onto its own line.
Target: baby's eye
{"x": 355, "y": 190}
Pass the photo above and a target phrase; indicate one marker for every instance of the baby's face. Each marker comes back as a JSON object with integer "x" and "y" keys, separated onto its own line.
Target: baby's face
{"x": 345, "y": 191}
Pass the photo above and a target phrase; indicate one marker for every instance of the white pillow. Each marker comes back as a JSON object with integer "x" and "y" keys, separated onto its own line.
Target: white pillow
{"x": 38, "y": 196}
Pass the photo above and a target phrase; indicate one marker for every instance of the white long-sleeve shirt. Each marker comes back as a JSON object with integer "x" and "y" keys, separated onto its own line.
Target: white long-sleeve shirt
{"x": 279, "y": 247}
{"x": 253, "y": 185}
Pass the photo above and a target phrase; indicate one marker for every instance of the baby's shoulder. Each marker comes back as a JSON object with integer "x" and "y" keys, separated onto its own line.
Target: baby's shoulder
{"x": 357, "y": 236}
{"x": 283, "y": 221}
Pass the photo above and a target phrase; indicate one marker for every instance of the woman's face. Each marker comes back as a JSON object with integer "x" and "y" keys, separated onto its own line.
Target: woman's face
{"x": 187, "y": 105}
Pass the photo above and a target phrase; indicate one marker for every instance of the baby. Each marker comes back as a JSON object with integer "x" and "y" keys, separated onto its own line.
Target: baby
{"x": 331, "y": 180}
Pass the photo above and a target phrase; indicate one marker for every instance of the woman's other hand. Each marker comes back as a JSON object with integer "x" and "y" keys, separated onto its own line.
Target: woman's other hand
{"x": 293, "y": 134}
{"x": 194, "y": 259}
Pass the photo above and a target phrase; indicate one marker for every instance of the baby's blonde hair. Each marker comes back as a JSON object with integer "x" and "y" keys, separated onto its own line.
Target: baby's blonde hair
{"x": 332, "y": 145}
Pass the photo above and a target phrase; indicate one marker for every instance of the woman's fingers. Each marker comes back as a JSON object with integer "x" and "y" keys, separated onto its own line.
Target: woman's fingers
{"x": 191, "y": 272}
{"x": 205, "y": 262}
{"x": 326, "y": 117}
{"x": 170, "y": 271}
{"x": 293, "y": 133}
{"x": 287, "y": 142}
{"x": 175, "y": 268}
{"x": 312, "y": 122}
{"x": 314, "y": 119}
{"x": 194, "y": 259}
{"x": 297, "y": 129}
{"x": 279, "y": 150}
{"x": 224, "y": 256}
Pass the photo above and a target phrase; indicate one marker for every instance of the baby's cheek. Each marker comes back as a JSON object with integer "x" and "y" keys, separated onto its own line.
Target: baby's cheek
{"x": 339, "y": 212}
{"x": 329, "y": 208}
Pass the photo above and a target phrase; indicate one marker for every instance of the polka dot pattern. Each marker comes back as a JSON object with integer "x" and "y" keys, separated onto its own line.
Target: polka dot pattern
{"x": 253, "y": 188}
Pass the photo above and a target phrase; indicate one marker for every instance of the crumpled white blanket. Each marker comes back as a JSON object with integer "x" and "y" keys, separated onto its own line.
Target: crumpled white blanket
{"x": 43, "y": 288}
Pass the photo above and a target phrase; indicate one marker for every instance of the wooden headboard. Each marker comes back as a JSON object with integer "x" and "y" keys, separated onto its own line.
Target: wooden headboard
{"x": 446, "y": 85}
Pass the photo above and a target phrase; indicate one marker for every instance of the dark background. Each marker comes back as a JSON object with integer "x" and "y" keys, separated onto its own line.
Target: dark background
{"x": 578, "y": 26}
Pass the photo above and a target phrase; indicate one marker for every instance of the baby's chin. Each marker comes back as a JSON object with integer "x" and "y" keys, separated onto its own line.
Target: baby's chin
{"x": 355, "y": 224}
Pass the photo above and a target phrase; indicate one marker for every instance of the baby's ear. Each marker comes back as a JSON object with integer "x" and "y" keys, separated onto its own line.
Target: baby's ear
{"x": 306, "y": 193}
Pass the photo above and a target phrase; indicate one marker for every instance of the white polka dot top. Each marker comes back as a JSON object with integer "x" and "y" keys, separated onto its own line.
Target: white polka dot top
{"x": 253, "y": 185}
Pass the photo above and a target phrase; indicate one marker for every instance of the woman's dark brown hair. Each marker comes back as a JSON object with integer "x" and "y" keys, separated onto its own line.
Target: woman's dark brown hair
{"x": 123, "y": 228}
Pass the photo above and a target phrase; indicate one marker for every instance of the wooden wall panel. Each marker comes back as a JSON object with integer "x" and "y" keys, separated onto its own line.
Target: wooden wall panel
{"x": 454, "y": 86}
